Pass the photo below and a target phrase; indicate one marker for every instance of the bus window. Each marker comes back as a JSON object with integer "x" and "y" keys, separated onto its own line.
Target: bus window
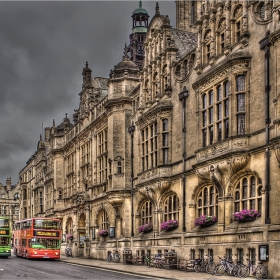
{"x": 46, "y": 224}
{"x": 4, "y": 241}
{"x": 23, "y": 242}
{"x": 4, "y": 223}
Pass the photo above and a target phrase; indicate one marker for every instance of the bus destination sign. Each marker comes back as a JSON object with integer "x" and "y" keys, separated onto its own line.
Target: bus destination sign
{"x": 4, "y": 232}
{"x": 46, "y": 233}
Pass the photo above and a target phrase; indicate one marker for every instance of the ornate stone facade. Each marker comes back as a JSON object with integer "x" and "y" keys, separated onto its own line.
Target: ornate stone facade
{"x": 195, "y": 131}
{"x": 9, "y": 201}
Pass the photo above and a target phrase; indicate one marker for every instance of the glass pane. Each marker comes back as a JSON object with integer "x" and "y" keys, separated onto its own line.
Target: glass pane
{"x": 219, "y": 127}
{"x": 241, "y": 102}
{"x": 211, "y": 97}
{"x": 253, "y": 187}
{"x": 204, "y": 118}
{"x": 219, "y": 93}
{"x": 211, "y": 135}
{"x": 211, "y": 115}
{"x": 241, "y": 124}
{"x": 226, "y": 88}
{"x": 204, "y": 101}
{"x": 219, "y": 111}
{"x": 240, "y": 82}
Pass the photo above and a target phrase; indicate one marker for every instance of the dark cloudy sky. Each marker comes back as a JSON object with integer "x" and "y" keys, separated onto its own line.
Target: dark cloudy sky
{"x": 43, "y": 49}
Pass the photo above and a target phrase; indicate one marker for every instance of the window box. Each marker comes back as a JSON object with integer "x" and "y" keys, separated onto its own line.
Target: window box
{"x": 146, "y": 228}
{"x": 169, "y": 225}
{"x": 246, "y": 215}
{"x": 205, "y": 221}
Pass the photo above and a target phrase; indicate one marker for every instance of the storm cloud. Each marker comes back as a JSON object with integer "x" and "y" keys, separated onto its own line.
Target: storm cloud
{"x": 43, "y": 49}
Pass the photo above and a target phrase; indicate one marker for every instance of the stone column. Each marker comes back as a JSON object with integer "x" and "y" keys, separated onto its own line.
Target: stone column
{"x": 221, "y": 214}
{"x": 75, "y": 247}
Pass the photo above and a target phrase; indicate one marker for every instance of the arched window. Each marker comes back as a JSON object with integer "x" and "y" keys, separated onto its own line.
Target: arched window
{"x": 147, "y": 212}
{"x": 221, "y": 35}
{"x": 206, "y": 43}
{"x": 251, "y": 194}
{"x": 103, "y": 220}
{"x": 186, "y": 68}
{"x": 206, "y": 206}
{"x": 178, "y": 71}
{"x": 171, "y": 211}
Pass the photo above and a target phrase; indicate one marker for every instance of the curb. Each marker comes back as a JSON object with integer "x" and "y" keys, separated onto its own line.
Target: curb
{"x": 121, "y": 271}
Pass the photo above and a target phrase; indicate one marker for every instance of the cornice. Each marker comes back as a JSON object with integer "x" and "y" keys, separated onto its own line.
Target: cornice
{"x": 228, "y": 62}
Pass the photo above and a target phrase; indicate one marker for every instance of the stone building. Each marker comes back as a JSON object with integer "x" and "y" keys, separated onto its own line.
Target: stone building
{"x": 9, "y": 201}
{"x": 190, "y": 129}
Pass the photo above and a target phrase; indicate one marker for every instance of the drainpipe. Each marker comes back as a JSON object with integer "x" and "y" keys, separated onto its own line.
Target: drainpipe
{"x": 182, "y": 97}
{"x": 131, "y": 129}
{"x": 265, "y": 45}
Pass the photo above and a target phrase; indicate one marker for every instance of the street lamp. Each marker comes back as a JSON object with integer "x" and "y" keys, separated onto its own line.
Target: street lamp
{"x": 182, "y": 97}
{"x": 131, "y": 130}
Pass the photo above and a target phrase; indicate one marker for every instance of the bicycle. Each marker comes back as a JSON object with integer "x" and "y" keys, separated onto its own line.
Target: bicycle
{"x": 113, "y": 256}
{"x": 207, "y": 265}
{"x": 260, "y": 271}
{"x": 68, "y": 251}
{"x": 226, "y": 266}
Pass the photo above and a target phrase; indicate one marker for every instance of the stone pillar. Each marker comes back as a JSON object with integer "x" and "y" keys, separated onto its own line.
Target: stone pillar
{"x": 221, "y": 214}
{"x": 245, "y": 17}
{"x": 228, "y": 210}
{"x": 191, "y": 217}
{"x": 75, "y": 244}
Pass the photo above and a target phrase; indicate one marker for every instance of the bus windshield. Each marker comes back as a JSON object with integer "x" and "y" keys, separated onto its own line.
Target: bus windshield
{"x": 4, "y": 223}
{"x": 44, "y": 243}
{"x": 4, "y": 241}
{"x": 46, "y": 224}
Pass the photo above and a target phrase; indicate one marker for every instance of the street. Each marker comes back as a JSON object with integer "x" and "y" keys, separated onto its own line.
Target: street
{"x": 18, "y": 268}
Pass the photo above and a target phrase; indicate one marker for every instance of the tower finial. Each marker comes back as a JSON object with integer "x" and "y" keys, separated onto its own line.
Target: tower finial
{"x": 157, "y": 9}
{"x": 140, "y": 4}
{"x": 86, "y": 64}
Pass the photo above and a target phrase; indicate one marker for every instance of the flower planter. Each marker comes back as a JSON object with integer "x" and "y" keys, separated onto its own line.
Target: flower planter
{"x": 169, "y": 225}
{"x": 208, "y": 224}
{"x": 246, "y": 219}
{"x": 246, "y": 215}
{"x": 205, "y": 221}
{"x": 146, "y": 228}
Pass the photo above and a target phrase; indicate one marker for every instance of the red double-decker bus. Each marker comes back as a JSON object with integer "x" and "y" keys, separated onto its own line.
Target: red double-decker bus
{"x": 37, "y": 238}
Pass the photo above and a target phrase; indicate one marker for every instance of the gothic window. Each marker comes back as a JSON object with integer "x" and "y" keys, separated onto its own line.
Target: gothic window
{"x": 252, "y": 254}
{"x": 221, "y": 35}
{"x": 102, "y": 155}
{"x": 171, "y": 210}
{"x": 165, "y": 141}
{"x": 238, "y": 22}
{"x": 178, "y": 71}
{"x": 240, "y": 88}
{"x": 147, "y": 213}
{"x": 153, "y": 144}
{"x": 207, "y": 201}
{"x": 229, "y": 253}
{"x": 215, "y": 114}
{"x": 149, "y": 146}
{"x": 41, "y": 202}
{"x": 247, "y": 194}
{"x": 240, "y": 255}
{"x": 186, "y": 68}
{"x": 103, "y": 220}
{"x": 119, "y": 167}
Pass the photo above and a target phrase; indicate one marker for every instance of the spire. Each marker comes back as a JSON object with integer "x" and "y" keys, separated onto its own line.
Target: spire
{"x": 125, "y": 53}
{"x": 53, "y": 122}
{"x": 157, "y": 9}
{"x": 86, "y": 64}
{"x": 140, "y": 4}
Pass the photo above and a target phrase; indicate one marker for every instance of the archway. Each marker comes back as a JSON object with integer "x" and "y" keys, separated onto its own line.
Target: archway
{"x": 81, "y": 232}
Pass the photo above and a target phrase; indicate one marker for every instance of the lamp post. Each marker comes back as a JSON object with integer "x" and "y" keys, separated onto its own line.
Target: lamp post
{"x": 182, "y": 97}
{"x": 131, "y": 130}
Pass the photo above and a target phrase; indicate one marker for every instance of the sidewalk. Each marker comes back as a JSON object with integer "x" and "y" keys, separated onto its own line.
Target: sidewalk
{"x": 143, "y": 270}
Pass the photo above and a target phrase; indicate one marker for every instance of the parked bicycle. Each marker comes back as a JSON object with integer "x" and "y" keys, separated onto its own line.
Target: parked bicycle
{"x": 207, "y": 264}
{"x": 260, "y": 271}
{"x": 228, "y": 266}
{"x": 68, "y": 251}
{"x": 114, "y": 256}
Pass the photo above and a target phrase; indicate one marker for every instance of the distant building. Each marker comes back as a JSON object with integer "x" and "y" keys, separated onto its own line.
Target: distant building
{"x": 9, "y": 201}
{"x": 186, "y": 127}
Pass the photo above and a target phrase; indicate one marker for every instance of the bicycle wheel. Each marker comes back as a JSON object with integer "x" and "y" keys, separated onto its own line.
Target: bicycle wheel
{"x": 117, "y": 258}
{"x": 197, "y": 268}
{"x": 220, "y": 269}
{"x": 210, "y": 268}
{"x": 243, "y": 271}
{"x": 261, "y": 272}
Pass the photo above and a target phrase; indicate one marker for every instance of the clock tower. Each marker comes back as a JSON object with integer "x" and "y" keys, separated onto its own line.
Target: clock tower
{"x": 140, "y": 22}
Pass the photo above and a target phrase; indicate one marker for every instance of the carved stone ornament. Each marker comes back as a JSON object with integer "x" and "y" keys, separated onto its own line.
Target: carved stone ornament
{"x": 220, "y": 173}
{"x": 155, "y": 191}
